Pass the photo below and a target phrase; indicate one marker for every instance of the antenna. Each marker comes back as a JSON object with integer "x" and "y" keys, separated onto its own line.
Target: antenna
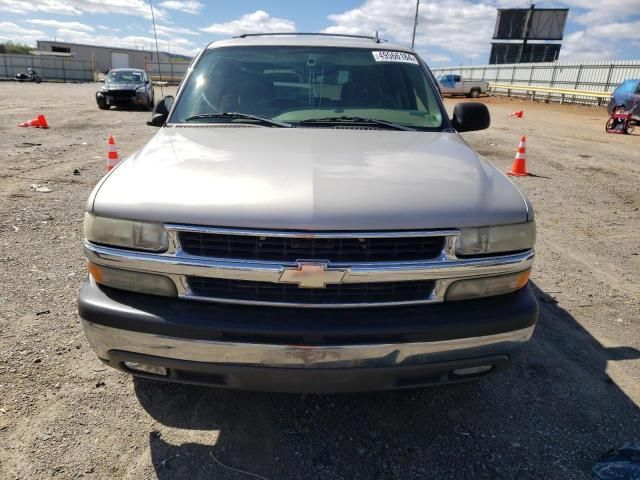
{"x": 415, "y": 24}
{"x": 155, "y": 34}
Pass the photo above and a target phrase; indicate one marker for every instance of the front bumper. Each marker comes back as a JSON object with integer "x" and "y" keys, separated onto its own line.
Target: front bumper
{"x": 137, "y": 99}
{"x": 306, "y": 350}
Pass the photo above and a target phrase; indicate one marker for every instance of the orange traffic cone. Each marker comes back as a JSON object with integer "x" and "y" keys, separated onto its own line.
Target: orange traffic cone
{"x": 38, "y": 122}
{"x": 519, "y": 167}
{"x": 112, "y": 154}
{"x": 518, "y": 114}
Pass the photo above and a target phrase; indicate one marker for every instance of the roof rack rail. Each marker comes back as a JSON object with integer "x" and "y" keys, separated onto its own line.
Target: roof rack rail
{"x": 374, "y": 38}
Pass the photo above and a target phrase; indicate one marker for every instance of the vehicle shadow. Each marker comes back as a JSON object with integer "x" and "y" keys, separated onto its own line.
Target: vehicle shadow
{"x": 549, "y": 416}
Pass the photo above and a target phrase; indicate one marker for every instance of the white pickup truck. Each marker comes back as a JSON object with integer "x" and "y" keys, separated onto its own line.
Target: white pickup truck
{"x": 452, "y": 84}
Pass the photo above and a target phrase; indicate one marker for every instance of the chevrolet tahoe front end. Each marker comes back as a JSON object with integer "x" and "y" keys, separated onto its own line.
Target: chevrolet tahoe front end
{"x": 309, "y": 230}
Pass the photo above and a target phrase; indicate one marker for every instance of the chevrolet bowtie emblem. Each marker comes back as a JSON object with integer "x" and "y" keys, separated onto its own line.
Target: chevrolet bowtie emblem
{"x": 312, "y": 275}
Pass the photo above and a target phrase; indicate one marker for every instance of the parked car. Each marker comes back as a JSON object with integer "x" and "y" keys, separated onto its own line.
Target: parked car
{"x": 456, "y": 85}
{"x": 323, "y": 231}
{"x": 626, "y": 97}
{"x": 126, "y": 87}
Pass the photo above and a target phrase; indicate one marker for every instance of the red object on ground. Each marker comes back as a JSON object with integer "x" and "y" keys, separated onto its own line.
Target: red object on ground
{"x": 112, "y": 154}
{"x": 38, "y": 122}
{"x": 519, "y": 166}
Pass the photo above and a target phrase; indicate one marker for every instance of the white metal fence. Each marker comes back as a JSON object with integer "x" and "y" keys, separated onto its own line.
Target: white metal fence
{"x": 171, "y": 72}
{"x": 49, "y": 68}
{"x": 593, "y": 76}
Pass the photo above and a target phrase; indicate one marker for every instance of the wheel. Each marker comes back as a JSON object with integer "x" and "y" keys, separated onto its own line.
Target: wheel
{"x": 475, "y": 93}
{"x": 150, "y": 105}
{"x": 610, "y": 125}
{"x": 630, "y": 127}
{"x": 38, "y": 79}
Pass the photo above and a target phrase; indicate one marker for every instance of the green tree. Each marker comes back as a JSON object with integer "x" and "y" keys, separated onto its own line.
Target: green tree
{"x": 10, "y": 47}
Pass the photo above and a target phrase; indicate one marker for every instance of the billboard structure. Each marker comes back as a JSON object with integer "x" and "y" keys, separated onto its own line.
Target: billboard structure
{"x": 524, "y": 35}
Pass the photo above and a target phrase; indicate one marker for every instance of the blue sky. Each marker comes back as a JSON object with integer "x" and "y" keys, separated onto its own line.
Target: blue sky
{"x": 450, "y": 32}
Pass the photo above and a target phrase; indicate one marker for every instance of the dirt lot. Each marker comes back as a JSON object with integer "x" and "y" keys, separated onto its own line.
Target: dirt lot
{"x": 573, "y": 395}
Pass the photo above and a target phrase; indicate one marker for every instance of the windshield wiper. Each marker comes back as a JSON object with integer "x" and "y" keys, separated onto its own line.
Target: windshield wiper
{"x": 356, "y": 120}
{"x": 265, "y": 121}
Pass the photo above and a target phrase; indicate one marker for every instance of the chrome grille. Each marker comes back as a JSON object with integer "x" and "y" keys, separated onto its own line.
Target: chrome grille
{"x": 290, "y": 249}
{"x": 340, "y": 294}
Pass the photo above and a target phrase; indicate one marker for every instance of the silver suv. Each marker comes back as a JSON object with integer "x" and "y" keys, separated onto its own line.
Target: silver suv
{"x": 308, "y": 218}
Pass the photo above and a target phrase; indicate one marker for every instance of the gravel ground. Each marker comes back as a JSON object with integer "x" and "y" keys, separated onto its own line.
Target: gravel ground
{"x": 571, "y": 397}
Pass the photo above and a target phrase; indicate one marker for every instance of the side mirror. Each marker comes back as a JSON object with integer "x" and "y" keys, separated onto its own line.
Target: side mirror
{"x": 470, "y": 116}
{"x": 146, "y": 82}
{"x": 161, "y": 111}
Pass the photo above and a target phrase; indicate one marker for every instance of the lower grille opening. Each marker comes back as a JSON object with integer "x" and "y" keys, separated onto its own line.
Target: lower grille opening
{"x": 351, "y": 293}
{"x": 122, "y": 93}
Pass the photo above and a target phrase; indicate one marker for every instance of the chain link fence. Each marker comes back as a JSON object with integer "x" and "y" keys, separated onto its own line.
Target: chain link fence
{"x": 592, "y": 76}
{"x": 170, "y": 72}
{"x": 59, "y": 69}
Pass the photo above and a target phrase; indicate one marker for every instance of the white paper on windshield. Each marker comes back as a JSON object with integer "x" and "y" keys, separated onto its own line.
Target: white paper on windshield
{"x": 389, "y": 56}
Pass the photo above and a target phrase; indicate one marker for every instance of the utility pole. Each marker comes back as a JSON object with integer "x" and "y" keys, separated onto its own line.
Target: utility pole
{"x": 527, "y": 28}
{"x": 415, "y": 24}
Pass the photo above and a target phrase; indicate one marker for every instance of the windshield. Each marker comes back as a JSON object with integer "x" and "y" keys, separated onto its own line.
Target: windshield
{"x": 300, "y": 84}
{"x": 125, "y": 77}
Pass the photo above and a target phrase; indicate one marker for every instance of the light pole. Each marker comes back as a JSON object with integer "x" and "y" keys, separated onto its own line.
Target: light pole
{"x": 415, "y": 24}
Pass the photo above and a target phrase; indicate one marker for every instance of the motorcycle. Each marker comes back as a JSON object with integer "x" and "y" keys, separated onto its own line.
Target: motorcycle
{"x": 29, "y": 76}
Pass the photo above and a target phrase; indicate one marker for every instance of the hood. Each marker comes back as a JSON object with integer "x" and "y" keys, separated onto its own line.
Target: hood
{"x": 308, "y": 179}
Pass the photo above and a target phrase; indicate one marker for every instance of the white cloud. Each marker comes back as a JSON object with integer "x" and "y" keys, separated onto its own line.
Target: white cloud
{"x": 455, "y": 25}
{"x": 49, "y": 6}
{"x": 178, "y": 45}
{"x": 170, "y": 31}
{"x": 188, "y": 6}
{"x": 598, "y": 12}
{"x": 437, "y": 58}
{"x": 11, "y": 28}
{"x": 256, "y": 22}
{"x": 57, "y": 24}
{"x": 465, "y": 28}
{"x": 10, "y": 32}
{"x": 78, "y": 7}
{"x": 602, "y": 41}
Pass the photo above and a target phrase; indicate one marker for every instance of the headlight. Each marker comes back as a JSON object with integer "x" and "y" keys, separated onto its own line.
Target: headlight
{"x": 125, "y": 233}
{"x": 487, "y": 286}
{"x": 140, "y": 89}
{"x": 149, "y": 283}
{"x": 104, "y": 88}
{"x": 498, "y": 239}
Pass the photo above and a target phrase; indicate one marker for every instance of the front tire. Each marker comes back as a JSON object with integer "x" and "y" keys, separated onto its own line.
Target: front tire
{"x": 630, "y": 127}
{"x": 475, "y": 93}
